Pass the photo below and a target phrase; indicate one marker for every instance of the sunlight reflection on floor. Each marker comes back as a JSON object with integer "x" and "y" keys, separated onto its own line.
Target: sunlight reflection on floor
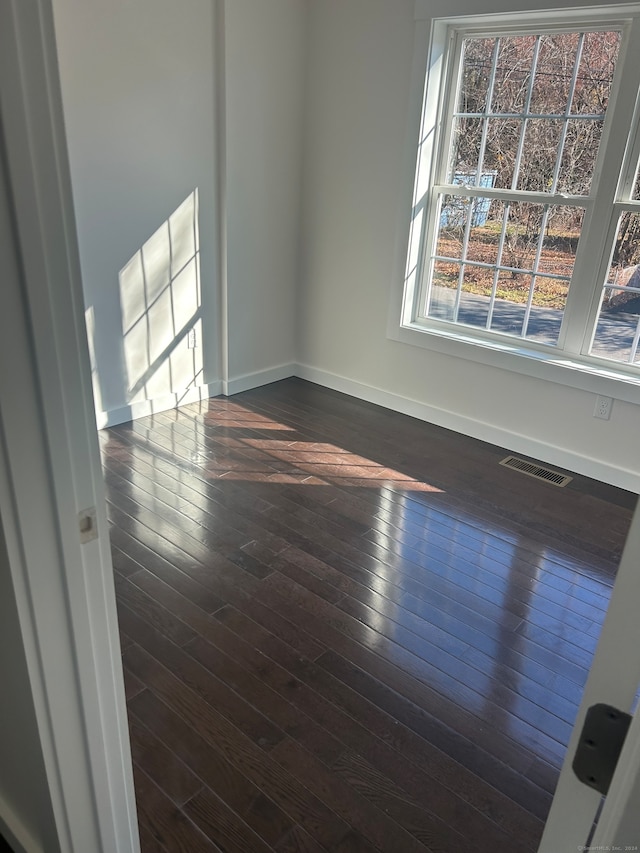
{"x": 276, "y": 460}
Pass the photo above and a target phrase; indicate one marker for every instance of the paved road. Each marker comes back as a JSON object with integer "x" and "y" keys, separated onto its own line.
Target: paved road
{"x": 614, "y": 334}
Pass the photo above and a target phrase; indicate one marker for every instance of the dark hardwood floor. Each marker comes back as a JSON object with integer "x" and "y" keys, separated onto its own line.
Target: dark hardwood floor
{"x": 347, "y": 630}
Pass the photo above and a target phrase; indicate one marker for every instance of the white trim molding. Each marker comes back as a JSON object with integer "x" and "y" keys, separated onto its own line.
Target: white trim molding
{"x": 254, "y": 380}
{"x": 142, "y": 408}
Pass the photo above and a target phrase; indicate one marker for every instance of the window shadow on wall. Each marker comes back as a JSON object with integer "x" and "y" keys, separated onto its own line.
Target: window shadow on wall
{"x": 160, "y": 306}
{"x": 160, "y": 297}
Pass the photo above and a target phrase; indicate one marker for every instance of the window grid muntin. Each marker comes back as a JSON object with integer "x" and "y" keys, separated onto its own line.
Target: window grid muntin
{"x": 532, "y": 272}
{"x": 502, "y": 268}
{"x": 449, "y": 93}
{"x": 630, "y": 183}
{"x": 489, "y": 98}
{"x": 565, "y": 125}
{"x": 506, "y": 220}
{"x": 536, "y": 263}
{"x": 506, "y": 115}
{"x": 527, "y": 106}
{"x": 525, "y": 115}
{"x": 509, "y": 198}
{"x": 498, "y": 264}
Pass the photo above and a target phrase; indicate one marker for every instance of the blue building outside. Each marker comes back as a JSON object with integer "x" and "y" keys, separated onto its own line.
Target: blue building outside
{"x": 454, "y": 213}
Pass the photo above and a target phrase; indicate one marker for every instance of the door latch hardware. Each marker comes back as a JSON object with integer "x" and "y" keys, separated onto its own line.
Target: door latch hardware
{"x": 87, "y": 525}
{"x": 603, "y": 734}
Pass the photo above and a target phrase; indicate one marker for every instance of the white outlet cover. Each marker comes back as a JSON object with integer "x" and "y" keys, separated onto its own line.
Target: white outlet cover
{"x": 603, "y": 408}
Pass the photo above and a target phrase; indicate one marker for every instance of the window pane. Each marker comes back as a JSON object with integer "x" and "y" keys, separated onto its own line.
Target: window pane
{"x": 579, "y": 154}
{"x": 474, "y": 297}
{"x": 626, "y": 252}
{"x": 616, "y": 334}
{"x": 512, "y": 293}
{"x": 454, "y": 213}
{"x": 484, "y": 237}
{"x": 503, "y": 139}
{"x": 636, "y": 189}
{"x": 552, "y": 84}
{"x": 512, "y": 278}
{"x": 444, "y": 284}
{"x": 451, "y": 228}
{"x": 539, "y": 155}
{"x": 476, "y": 75}
{"x": 482, "y": 241}
{"x": 547, "y": 307}
{"x": 540, "y": 238}
{"x": 533, "y": 76}
{"x": 513, "y": 72}
{"x": 465, "y": 151}
{"x": 477, "y": 240}
{"x": 560, "y": 240}
{"x": 595, "y": 75}
{"x": 524, "y": 227}
{"x": 537, "y": 302}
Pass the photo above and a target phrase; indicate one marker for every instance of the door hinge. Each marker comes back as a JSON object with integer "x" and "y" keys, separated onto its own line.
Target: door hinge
{"x": 601, "y": 741}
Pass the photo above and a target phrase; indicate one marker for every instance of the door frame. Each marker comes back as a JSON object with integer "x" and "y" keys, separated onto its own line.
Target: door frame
{"x": 613, "y": 679}
{"x": 50, "y": 464}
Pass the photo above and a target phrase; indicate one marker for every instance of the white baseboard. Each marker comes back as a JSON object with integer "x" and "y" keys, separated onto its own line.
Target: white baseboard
{"x": 236, "y": 385}
{"x": 255, "y": 380}
{"x": 161, "y": 404}
{"x": 516, "y": 443}
{"x": 560, "y": 456}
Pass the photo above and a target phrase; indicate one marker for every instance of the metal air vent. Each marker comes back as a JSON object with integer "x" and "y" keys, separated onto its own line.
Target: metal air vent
{"x": 537, "y": 471}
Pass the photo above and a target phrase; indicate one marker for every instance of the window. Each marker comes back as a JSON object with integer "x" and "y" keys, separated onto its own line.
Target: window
{"x": 525, "y": 232}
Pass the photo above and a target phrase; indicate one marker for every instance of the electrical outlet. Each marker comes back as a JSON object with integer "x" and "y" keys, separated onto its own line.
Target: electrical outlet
{"x": 603, "y": 408}
{"x": 191, "y": 339}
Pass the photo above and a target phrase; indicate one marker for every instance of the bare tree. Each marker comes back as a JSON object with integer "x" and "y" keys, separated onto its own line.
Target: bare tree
{"x": 533, "y": 131}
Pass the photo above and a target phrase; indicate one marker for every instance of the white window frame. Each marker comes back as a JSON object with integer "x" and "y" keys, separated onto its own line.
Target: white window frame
{"x": 569, "y": 363}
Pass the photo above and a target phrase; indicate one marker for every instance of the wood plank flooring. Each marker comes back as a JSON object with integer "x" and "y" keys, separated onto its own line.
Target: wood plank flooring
{"x": 345, "y": 630}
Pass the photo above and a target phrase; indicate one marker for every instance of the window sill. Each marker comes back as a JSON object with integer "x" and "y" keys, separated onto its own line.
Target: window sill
{"x": 578, "y": 372}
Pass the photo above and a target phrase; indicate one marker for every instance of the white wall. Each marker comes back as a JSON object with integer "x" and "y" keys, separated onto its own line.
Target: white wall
{"x": 360, "y": 54}
{"x": 147, "y": 101}
{"x": 265, "y": 61}
{"x": 138, "y": 92}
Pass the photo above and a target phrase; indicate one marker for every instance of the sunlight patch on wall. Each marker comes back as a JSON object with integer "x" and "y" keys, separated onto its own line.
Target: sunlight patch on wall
{"x": 160, "y": 297}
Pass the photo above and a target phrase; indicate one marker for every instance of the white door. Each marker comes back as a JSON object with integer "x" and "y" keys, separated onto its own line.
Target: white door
{"x": 57, "y": 574}
{"x": 613, "y": 680}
